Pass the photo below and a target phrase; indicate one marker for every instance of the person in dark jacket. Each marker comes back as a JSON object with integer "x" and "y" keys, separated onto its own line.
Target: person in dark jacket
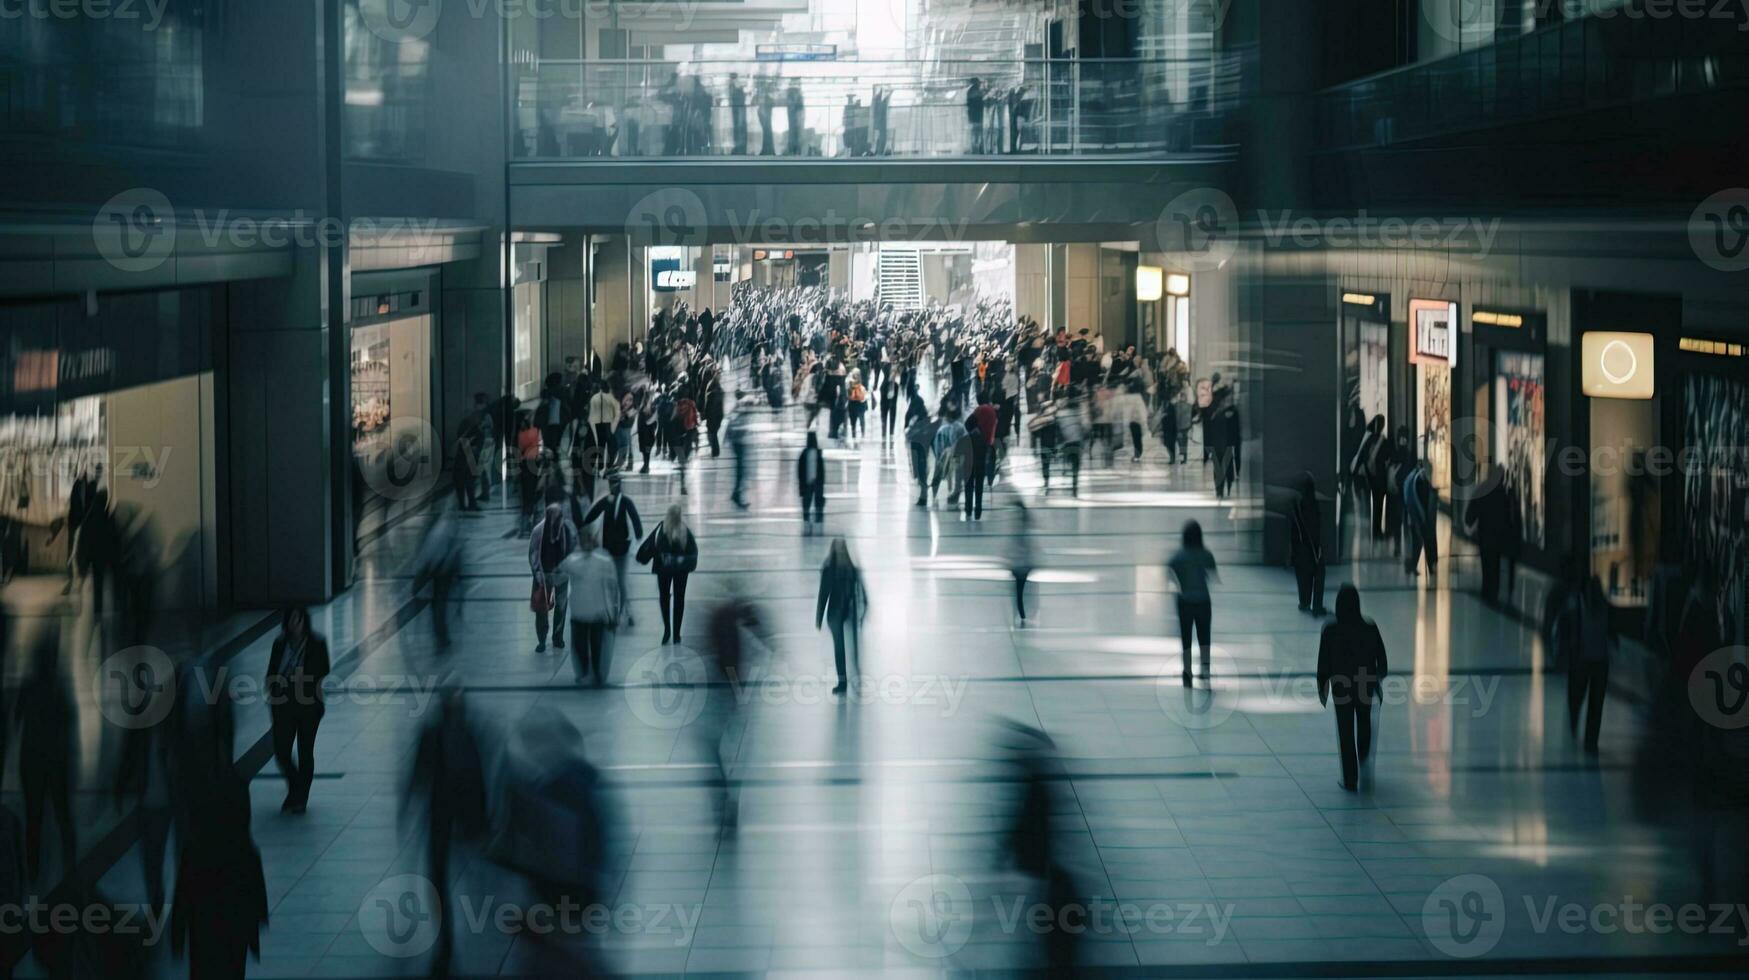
{"x": 1585, "y": 640}
{"x": 1351, "y": 667}
{"x": 811, "y": 480}
{"x": 1490, "y": 518}
{"x": 673, "y": 557}
{"x": 221, "y": 892}
{"x": 295, "y": 671}
{"x": 842, "y": 604}
{"x": 549, "y": 544}
{"x": 1306, "y": 545}
{"x": 448, "y": 777}
{"x": 919, "y": 433}
{"x": 620, "y": 526}
{"x": 47, "y": 754}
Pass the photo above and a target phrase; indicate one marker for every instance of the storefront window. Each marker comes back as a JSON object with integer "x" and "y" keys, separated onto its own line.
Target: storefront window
{"x": 529, "y": 317}
{"x": 393, "y": 434}
{"x": 1624, "y": 498}
{"x": 1519, "y": 436}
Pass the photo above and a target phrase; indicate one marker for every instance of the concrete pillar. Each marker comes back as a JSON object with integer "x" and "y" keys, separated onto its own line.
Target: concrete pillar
{"x": 567, "y": 300}
{"x": 278, "y": 506}
{"x": 838, "y": 274}
{"x": 1081, "y": 289}
{"x": 1032, "y": 283}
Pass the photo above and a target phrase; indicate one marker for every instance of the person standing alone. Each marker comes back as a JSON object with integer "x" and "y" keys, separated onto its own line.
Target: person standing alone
{"x": 295, "y": 671}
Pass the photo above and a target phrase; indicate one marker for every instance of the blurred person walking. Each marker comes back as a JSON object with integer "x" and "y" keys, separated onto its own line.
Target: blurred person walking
{"x": 620, "y": 526}
{"x": 47, "y": 753}
{"x": 221, "y": 892}
{"x": 595, "y": 605}
{"x": 449, "y": 778}
{"x": 1193, "y": 567}
{"x": 296, "y": 668}
{"x": 1351, "y": 667}
{"x": 1585, "y": 641}
{"x": 811, "y": 481}
{"x": 439, "y": 564}
{"x": 549, "y": 544}
{"x": 1306, "y": 545}
{"x": 842, "y": 605}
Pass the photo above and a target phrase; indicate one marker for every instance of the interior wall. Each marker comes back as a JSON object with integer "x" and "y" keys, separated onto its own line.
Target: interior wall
{"x": 160, "y": 436}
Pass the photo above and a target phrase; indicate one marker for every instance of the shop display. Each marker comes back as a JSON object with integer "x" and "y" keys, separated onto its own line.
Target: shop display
{"x": 1434, "y": 416}
{"x": 1715, "y": 485}
{"x": 1519, "y": 434}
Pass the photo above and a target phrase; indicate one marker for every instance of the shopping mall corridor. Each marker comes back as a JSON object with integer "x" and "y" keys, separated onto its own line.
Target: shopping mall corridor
{"x": 1205, "y": 831}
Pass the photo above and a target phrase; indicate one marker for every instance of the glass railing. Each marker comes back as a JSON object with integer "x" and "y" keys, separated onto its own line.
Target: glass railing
{"x": 574, "y": 110}
{"x": 1592, "y": 63}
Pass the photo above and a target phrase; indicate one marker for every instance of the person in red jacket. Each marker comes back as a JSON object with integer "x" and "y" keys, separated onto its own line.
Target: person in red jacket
{"x": 982, "y": 421}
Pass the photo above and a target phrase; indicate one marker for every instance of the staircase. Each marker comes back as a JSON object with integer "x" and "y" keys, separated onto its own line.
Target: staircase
{"x": 901, "y": 278}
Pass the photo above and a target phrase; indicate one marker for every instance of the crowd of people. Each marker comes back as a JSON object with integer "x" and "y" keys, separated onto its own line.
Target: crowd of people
{"x": 688, "y": 115}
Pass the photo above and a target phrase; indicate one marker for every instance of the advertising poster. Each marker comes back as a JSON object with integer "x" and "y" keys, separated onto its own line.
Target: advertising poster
{"x": 1519, "y": 435}
{"x": 1715, "y": 487}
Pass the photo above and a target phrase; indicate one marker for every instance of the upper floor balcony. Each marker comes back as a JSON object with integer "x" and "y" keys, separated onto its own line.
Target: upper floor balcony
{"x": 594, "y": 111}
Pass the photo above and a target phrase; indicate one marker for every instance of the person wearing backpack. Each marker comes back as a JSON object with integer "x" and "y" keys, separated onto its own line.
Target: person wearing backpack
{"x": 1419, "y": 520}
{"x": 1351, "y": 667}
{"x": 857, "y": 404}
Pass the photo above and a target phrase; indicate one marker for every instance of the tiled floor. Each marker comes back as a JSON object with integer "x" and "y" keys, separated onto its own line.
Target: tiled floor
{"x": 1200, "y": 831}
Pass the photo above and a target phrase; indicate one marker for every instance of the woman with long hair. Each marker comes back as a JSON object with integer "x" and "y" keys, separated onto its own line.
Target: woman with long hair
{"x": 674, "y": 555}
{"x": 1193, "y": 567}
{"x": 842, "y": 603}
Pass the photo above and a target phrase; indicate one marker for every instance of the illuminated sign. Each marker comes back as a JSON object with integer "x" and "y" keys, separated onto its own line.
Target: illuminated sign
{"x": 1178, "y": 284}
{"x": 1433, "y": 332}
{"x": 1150, "y": 283}
{"x": 1618, "y": 365}
{"x": 1359, "y": 299}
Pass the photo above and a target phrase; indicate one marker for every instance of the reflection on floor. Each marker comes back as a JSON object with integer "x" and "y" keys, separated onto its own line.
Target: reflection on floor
{"x": 1199, "y": 829}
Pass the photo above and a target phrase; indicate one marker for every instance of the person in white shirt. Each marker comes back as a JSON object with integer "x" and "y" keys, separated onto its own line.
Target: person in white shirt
{"x": 595, "y": 603}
